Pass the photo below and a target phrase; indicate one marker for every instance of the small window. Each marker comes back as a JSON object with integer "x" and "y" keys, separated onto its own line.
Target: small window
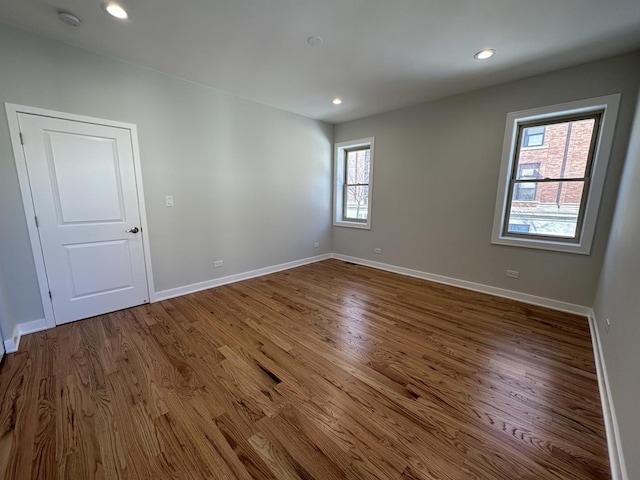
{"x": 533, "y": 137}
{"x": 526, "y": 191}
{"x": 352, "y": 190}
{"x": 549, "y": 197}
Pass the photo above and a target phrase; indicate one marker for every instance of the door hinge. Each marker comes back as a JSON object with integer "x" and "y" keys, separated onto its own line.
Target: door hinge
{"x": 21, "y": 139}
{"x": 36, "y": 219}
{"x": 50, "y": 297}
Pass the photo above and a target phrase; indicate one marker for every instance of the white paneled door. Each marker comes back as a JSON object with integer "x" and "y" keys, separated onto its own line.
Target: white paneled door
{"x": 84, "y": 193}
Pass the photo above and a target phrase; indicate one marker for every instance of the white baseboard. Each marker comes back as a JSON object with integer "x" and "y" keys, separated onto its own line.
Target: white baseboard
{"x": 196, "y": 287}
{"x": 476, "y": 287}
{"x": 616, "y": 457}
{"x": 11, "y": 345}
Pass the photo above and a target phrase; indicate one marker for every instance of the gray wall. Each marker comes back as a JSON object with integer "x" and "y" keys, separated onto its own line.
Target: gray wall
{"x": 436, "y": 176}
{"x": 252, "y": 184}
{"x": 4, "y": 314}
{"x": 618, "y": 299}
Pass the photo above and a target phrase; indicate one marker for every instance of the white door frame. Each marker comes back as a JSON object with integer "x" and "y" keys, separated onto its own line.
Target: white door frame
{"x": 25, "y": 189}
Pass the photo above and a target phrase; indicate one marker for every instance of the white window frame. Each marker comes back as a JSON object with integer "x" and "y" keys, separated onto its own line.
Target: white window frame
{"x": 609, "y": 106}
{"x": 339, "y": 181}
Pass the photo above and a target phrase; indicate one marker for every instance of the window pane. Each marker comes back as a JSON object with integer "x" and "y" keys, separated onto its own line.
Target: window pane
{"x": 566, "y": 152}
{"x": 553, "y": 211}
{"x": 357, "y": 203}
{"x": 358, "y": 166}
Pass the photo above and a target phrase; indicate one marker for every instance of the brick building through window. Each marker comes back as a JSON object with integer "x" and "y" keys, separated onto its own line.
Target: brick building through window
{"x": 553, "y": 151}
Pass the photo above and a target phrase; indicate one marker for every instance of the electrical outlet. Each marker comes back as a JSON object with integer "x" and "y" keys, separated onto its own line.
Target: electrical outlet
{"x": 168, "y": 200}
{"x": 377, "y": 250}
{"x": 316, "y": 245}
{"x": 513, "y": 273}
{"x": 217, "y": 263}
{"x": 607, "y": 325}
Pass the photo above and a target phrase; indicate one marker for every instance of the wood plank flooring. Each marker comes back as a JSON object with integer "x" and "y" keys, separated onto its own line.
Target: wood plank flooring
{"x": 326, "y": 371}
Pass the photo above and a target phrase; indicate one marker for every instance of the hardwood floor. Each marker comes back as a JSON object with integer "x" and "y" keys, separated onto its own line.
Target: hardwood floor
{"x": 326, "y": 371}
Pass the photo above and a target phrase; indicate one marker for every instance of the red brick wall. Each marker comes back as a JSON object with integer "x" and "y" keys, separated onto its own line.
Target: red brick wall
{"x": 551, "y": 156}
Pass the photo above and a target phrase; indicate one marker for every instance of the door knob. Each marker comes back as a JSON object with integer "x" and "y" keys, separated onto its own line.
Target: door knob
{"x": 133, "y": 230}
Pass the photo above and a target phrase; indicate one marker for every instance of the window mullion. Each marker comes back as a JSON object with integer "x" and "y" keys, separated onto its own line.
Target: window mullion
{"x": 549, "y": 180}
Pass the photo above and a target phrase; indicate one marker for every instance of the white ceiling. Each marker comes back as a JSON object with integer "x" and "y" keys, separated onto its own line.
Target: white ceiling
{"x": 377, "y": 55}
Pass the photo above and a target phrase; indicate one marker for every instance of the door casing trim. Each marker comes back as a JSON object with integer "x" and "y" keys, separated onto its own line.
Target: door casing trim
{"x": 12, "y": 111}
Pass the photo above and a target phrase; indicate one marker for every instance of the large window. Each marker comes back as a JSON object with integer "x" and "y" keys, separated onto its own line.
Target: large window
{"x": 549, "y": 195}
{"x": 353, "y": 185}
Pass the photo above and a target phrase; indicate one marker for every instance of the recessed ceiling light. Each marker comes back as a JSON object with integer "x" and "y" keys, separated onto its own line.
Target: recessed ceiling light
{"x": 115, "y": 10}
{"x": 337, "y": 101}
{"x": 484, "y": 54}
{"x": 315, "y": 41}
{"x": 69, "y": 19}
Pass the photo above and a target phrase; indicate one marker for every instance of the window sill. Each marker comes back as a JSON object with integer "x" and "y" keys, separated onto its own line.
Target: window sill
{"x": 539, "y": 147}
{"x": 344, "y": 223}
{"x": 543, "y": 244}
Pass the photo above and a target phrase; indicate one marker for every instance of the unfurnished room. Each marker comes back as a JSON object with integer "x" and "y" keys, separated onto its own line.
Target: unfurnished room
{"x": 352, "y": 239}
